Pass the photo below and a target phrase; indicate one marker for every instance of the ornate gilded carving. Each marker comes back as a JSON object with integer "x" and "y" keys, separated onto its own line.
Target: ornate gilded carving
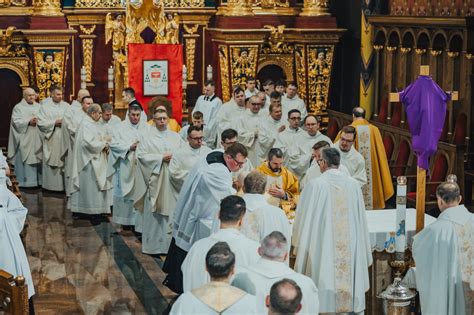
{"x": 87, "y": 48}
{"x": 315, "y": 8}
{"x": 238, "y": 8}
{"x": 7, "y": 48}
{"x": 21, "y": 66}
{"x": 275, "y": 43}
{"x": 300, "y": 61}
{"x": 190, "y": 51}
{"x": 171, "y": 3}
{"x": 271, "y": 4}
{"x": 435, "y": 53}
{"x": 192, "y": 3}
{"x": 15, "y": 3}
{"x": 319, "y": 75}
{"x": 244, "y": 63}
{"x": 224, "y": 70}
{"x": 405, "y": 50}
{"x": 98, "y": 4}
{"x": 191, "y": 29}
{"x": 49, "y": 64}
{"x": 47, "y": 7}
{"x": 171, "y": 29}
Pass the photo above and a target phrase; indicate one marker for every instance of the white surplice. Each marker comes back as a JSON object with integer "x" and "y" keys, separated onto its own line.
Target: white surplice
{"x": 355, "y": 164}
{"x": 53, "y": 145}
{"x": 194, "y": 266}
{"x": 261, "y": 218}
{"x": 199, "y": 198}
{"x": 109, "y": 126}
{"x": 121, "y": 165}
{"x": 90, "y": 184}
{"x": 331, "y": 241}
{"x": 226, "y": 118}
{"x": 215, "y": 298}
{"x": 13, "y": 257}
{"x": 182, "y": 162}
{"x": 209, "y": 106}
{"x": 314, "y": 172}
{"x": 444, "y": 257}
{"x": 288, "y": 104}
{"x": 258, "y": 278}
{"x": 268, "y": 134}
{"x": 25, "y": 145}
{"x": 248, "y": 126}
{"x": 153, "y": 196}
{"x": 286, "y": 141}
{"x": 299, "y": 159}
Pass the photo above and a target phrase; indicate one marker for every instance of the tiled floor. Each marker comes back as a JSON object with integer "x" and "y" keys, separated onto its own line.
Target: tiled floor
{"x": 84, "y": 267}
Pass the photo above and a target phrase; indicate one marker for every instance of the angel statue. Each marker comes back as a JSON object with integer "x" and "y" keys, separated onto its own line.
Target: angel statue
{"x": 49, "y": 70}
{"x": 172, "y": 28}
{"x": 243, "y": 65}
{"x": 115, "y": 29}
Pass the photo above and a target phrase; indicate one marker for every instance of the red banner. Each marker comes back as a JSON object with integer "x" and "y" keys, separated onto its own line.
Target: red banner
{"x": 138, "y": 53}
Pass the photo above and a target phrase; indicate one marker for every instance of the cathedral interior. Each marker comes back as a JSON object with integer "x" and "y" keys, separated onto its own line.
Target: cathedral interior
{"x": 341, "y": 54}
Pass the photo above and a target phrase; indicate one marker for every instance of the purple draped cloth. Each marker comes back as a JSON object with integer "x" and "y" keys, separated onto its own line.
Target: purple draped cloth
{"x": 425, "y": 105}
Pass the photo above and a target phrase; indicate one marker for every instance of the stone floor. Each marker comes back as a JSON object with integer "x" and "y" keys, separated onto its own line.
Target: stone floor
{"x": 83, "y": 266}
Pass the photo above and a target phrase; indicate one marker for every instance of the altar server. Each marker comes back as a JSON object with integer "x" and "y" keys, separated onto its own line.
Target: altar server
{"x": 350, "y": 158}
{"x": 287, "y": 139}
{"x": 154, "y": 196}
{"x": 89, "y": 181}
{"x": 231, "y": 215}
{"x": 444, "y": 257}
{"x": 331, "y": 238}
{"x": 229, "y": 113}
{"x": 50, "y": 120}
{"x": 217, "y": 296}
{"x": 291, "y": 100}
{"x": 25, "y": 146}
{"x": 271, "y": 126}
{"x": 209, "y": 104}
{"x": 258, "y": 278}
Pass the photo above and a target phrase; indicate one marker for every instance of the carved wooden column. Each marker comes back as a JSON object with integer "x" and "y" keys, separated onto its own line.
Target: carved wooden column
{"x": 87, "y": 38}
{"x": 315, "y": 8}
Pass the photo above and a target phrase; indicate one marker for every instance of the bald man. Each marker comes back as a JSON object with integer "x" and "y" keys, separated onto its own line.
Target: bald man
{"x": 25, "y": 144}
{"x": 76, "y": 104}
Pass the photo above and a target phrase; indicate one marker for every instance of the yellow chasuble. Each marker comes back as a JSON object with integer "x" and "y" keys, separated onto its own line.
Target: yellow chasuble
{"x": 172, "y": 124}
{"x": 289, "y": 182}
{"x": 368, "y": 142}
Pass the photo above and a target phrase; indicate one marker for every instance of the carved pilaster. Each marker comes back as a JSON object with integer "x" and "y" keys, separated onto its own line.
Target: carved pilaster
{"x": 319, "y": 75}
{"x": 224, "y": 71}
{"x": 47, "y": 8}
{"x": 315, "y": 8}
{"x": 190, "y": 38}
{"x": 300, "y": 61}
{"x": 87, "y": 38}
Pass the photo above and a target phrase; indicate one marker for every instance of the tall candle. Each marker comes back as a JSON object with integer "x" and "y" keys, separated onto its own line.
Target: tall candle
{"x": 400, "y": 235}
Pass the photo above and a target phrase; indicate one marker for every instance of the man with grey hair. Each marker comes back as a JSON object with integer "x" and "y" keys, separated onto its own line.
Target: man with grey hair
{"x": 261, "y": 217}
{"x": 285, "y": 298}
{"x": 90, "y": 185}
{"x": 257, "y": 279}
{"x": 444, "y": 257}
{"x": 331, "y": 237}
{"x": 24, "y": 143}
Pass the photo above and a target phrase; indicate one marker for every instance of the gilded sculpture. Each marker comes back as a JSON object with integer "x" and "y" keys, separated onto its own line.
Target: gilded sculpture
{"x": 244, "y": 64}
{"x": 319, "y": 75}
{"x": 172, "y": 29}
{"x": 115, "y": 30}
{"x": 49, "y": 70}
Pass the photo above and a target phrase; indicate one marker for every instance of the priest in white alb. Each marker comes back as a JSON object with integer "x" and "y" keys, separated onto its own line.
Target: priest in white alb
{"x": 154, "y": 196}
{"x": 76, "y": 104}
{"x": 229, "y": 113}
{"x": 122, "y": 164}
{"x": 261, "y": 217}
{"x": 90, "y": 183}
{"x": 331, "y": 238}
{"x": 218, "y": 296}
{"x": 25, "y": 144}
{"x": 291, "y": 100}
{"x": 350, "y": 158}
{"x": 50, "y": 120}
{"x": 271, "y": 126}
{"x": 231, "y": 215}
{"x": 444, "y": 257}
{"x": 287, "y": 139}
{"x": 188, "y": 155}
{"x": 272, "y": 266}
{"x": 109, "y": 121}
{"x": 209, "y": 104}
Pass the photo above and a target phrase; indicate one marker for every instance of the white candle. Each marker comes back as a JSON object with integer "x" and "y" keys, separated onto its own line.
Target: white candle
{"x": 400, "y": 231}
{"x": 83, "y": 78}
{"x": 110, "y": 78}
{"x": 185, "y": 77}
{"x": 209, "y": 72}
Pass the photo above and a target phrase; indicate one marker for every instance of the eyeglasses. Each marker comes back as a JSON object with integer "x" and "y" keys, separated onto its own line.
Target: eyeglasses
{"x": 196, "y": 138}
{"x": 319, "y": 161}
{"x": 240, "y": 164}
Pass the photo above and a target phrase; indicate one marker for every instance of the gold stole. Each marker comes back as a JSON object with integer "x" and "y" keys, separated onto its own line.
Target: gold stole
{"x": 342, "y": 251}
{"x": 363, "y": 138}
{"x": 465, "y": 234}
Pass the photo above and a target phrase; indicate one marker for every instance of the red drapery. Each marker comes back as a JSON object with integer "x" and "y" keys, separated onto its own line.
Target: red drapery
{"x": 137, "y": 53}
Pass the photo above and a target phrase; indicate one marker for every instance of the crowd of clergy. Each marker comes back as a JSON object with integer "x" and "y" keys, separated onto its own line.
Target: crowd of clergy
{"x": 232, "y": 196}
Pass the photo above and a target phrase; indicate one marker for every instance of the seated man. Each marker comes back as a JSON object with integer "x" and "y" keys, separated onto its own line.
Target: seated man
{"x": 281, "y": 183}
{"x": 257, "y": 278}
{"x": 444, "y": 257}
{"x": 285, "y": 298}
{"x": 217, "y": 296}
{"x": 232, "y": 211}
{"x": 13, "y": 257}
{"x": 261, "y": 217}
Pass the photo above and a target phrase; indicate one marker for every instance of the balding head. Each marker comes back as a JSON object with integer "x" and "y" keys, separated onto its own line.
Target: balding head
{"x": 29, "y": 95}
{"x": 358, "y": 113}
{"x": 285, "y": 297}
{"x": 274, "y": 246}
{"x": 81, "y": 93}
{"x": 448, "y": 195}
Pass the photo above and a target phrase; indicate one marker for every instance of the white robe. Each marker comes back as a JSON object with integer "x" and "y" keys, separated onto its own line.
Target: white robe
{"x": 331, "y": 240}
{"x": 194, "y": 266}
{"x": 109, "y": 126}
{"x": 355, "y": 164}
{"x": 249, "y": 93}
{"x": 258, "y": 278}
{"x": 53, "y": 145}
{"x": 288, "y": 104}
{"x": 261, "y": 218}
{"x": 25, "y": 145}
{"x": 154, "y": 197}
{"x": 182, "y": 162}
{"x": 226, "y": 118}
{"x": 209, "y": 111}
{"x": 90, "y": 185}
{"x": 314, "y": 172}
{"x": 287, "y": 142}
{"x": 121, "y": 165}
{"x": 13, "y": 257}
{"x": 248, "y": 126}
{"x": 300, "y": 157}
{"x": 216, "y": 301}
{"x": 444, "y": 257}
{"x": 199, "y": 199}
{"x": 268, "y": 134}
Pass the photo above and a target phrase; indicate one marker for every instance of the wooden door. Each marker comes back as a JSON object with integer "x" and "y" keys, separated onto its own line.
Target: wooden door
{"x": 10, "y": 95}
